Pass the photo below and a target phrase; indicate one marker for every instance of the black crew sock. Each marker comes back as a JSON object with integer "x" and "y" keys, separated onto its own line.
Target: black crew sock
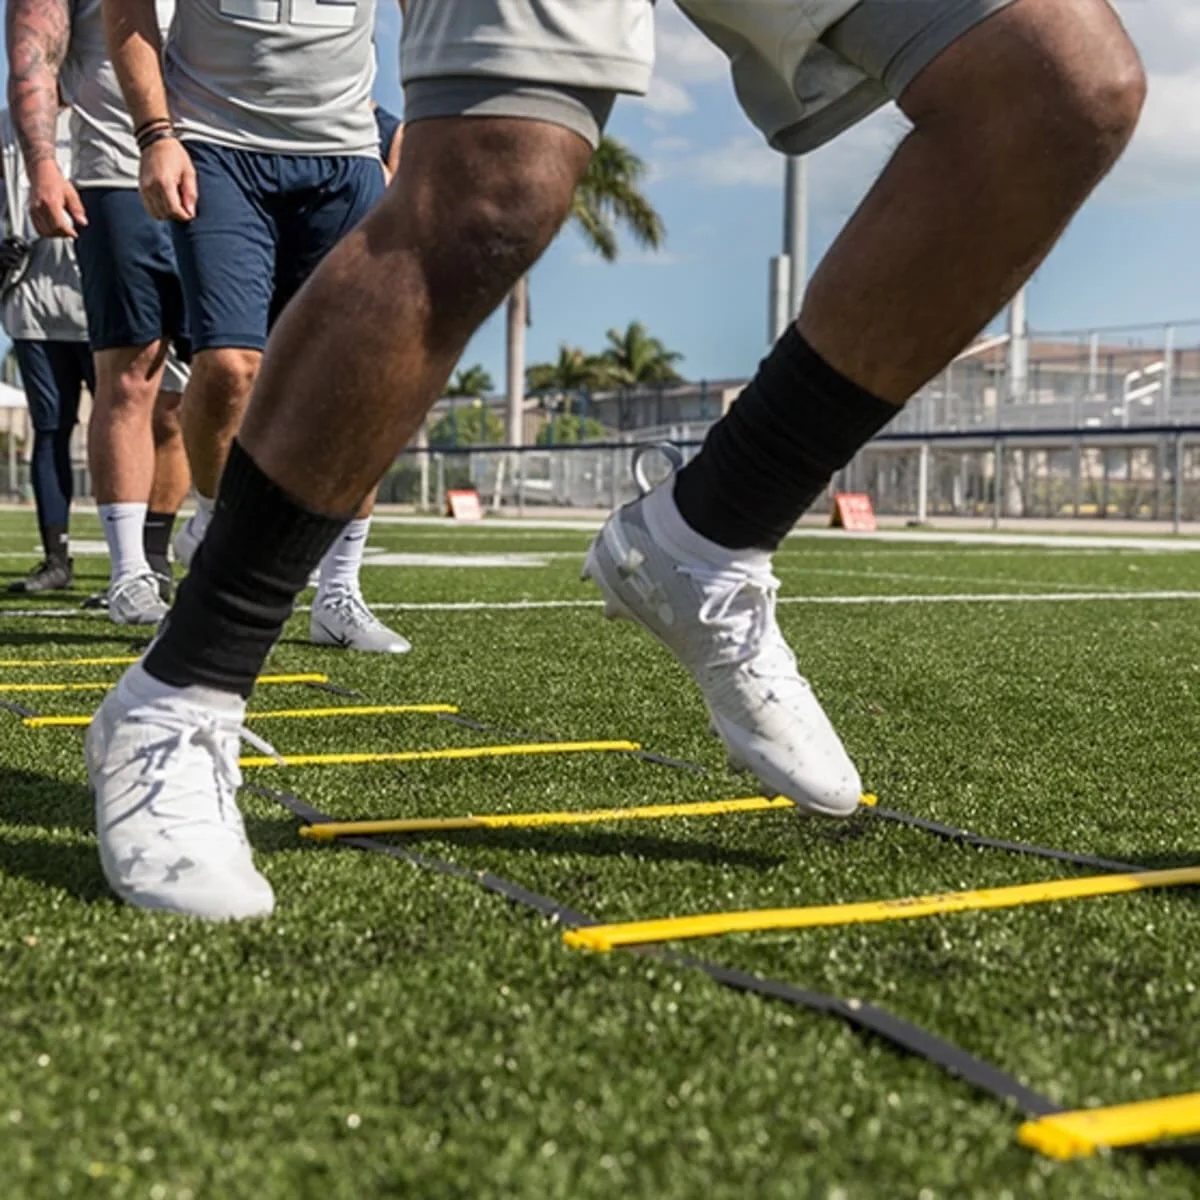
{"x": 255, "y": 559}
{"x": 775, "y": 451}
{"x": 156, "y": 541}
{"x": 56, "y": 543}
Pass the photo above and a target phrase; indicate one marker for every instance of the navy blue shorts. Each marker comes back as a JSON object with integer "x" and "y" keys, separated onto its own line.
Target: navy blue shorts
{"x": 54, "y": 374}
{"x": 131, "y": 286}
{"x": 263, "y": 222}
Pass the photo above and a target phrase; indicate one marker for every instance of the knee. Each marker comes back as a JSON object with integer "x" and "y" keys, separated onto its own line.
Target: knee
{"x": 478, "y": 204}
{"x": 222, "y": 381}
{"x": 1101, "y": 104}
{"x": 1055, "y": 84}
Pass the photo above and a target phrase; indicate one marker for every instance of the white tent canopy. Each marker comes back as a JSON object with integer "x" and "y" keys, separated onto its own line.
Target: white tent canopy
{"x": 11, "y": 397}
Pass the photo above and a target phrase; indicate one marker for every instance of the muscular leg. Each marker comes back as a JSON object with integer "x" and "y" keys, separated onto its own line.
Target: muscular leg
{"x": 171, "y": 476}
{"x": 121, "y": 451}
{"x": 1014, "y": 125}
{"x": 476, "y": 202}
{"x": 213, "y": 408}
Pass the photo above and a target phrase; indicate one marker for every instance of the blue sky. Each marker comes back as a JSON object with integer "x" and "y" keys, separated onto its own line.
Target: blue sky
{"x": 1132, "y": 257}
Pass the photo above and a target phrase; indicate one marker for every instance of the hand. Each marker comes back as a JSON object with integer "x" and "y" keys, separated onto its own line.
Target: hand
{"x": 168, "y": 181}
{"x": 54, "y": 204}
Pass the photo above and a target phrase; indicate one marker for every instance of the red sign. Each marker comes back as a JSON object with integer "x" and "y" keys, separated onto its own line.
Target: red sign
{"x": 853, "y": 511}
{"x": 463, "y": 504}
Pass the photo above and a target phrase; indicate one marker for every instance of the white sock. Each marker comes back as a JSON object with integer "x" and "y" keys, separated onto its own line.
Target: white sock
{"x": 140, "y": 687}
{"x": 123, "y": 524}
{"x": 343, "y": 560}
{"x": 666, "y": 523}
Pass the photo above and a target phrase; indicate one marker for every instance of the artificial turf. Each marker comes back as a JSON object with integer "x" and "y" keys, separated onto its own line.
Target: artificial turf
{"x": 395, "y": 1032}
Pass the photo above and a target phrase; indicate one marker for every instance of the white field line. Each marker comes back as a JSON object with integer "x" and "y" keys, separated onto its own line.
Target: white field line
{"x": 1063, "y": 541}
{"x": 536, "y": 605}
{"x": 923, "y": 577}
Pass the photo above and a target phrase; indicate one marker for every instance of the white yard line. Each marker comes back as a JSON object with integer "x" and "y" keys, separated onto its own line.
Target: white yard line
{"x": 1063, "y": 541}
{"x": 535, "y": 605}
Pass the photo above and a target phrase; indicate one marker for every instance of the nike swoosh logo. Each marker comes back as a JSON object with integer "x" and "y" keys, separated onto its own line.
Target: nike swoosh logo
{"x": 338, "y": 639}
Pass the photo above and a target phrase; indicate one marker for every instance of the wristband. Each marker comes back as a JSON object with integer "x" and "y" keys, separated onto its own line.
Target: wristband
{"x": 149, "y": 138}
{"x": 150, "y": 132}
{"x": 145, "y": 126}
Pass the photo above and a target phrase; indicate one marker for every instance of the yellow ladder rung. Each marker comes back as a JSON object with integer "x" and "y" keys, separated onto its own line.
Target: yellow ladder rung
{"x": 283, "y": 714}
{"x": 329, "y": 830}
{"x": 460, "y": 752}
{"x": 106, "y": 684}
{"x": 669, "y": 929}
{"x": 1083, "y": 1132}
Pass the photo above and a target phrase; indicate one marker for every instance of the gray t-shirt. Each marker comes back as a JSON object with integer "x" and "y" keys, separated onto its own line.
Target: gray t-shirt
{"x": 106, "y": 154}
{"x": 47, "y": 304}
{"x": 277, "y": 76}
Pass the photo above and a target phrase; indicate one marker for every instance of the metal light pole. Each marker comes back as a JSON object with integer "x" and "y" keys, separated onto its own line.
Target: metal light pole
{"x": 1018, "y": 349}
{"x": 795, "y": 228}
{"x": 789, "y": 270}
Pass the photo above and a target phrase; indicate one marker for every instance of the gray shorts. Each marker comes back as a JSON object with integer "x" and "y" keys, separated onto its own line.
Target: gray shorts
{"x": 803, "y": 72}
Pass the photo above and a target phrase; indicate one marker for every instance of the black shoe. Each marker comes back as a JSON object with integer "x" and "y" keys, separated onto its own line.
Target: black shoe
{"x": 50, "y": 575}
{"x": 97, "y": 600}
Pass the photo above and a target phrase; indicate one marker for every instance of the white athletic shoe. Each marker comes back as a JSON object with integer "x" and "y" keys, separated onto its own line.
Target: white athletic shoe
{"x": 719, "y": 622}
{"x": 136, "y": 600}
{"x": 340, "y": 617}
{"x": 164, "y": 772}
{"x": 187, "y": 541}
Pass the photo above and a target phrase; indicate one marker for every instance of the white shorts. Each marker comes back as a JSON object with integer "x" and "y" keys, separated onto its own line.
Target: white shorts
{"x": 804, "y": 70}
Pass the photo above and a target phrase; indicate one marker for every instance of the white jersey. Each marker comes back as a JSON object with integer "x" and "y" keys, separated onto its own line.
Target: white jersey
{"x": 105, "y": 152}
{"x": 276, "y": 76}
{"x": 46, "y": 305}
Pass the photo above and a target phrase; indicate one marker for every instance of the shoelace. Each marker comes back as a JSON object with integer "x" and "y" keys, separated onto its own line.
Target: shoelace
{"x": 189, "y": 726}
{"x": 740, "y": 607}
{"x": 135, "y": 584}
{"x": 353, "y": 608}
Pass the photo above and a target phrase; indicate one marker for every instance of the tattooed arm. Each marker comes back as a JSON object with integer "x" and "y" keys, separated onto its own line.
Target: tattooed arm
{"x": 37, "y": 33}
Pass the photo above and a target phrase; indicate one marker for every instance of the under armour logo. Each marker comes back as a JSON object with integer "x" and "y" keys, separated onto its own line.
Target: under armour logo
{"x": 174, "y": 871}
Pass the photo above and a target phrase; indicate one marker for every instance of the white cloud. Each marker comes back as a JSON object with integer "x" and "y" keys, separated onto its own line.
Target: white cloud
{"x": 1165, "y": 153}
{"x": 1163, "y": 158}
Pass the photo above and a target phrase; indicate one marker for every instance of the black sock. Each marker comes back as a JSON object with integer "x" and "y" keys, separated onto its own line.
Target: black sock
{"x": 775, "y": 451}
{"x": 255, "y": 559}
{"x": 55, "y": 543}
{"x": 156, "y": 541}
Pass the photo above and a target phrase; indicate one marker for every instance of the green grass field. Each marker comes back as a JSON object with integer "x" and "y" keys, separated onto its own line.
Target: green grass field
{"x": 394, "y": 1032}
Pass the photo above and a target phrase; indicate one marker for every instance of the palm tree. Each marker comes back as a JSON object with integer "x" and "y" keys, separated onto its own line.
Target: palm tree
{"x": 635, "y": 359}
{"x": 476, "y": 426}
{"x": 573, "y": 371}
{"x": 471, "y": 381}
{"x": 608, "y": 197}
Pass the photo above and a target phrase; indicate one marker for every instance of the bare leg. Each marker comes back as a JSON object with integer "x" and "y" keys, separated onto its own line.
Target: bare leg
{"x": 1015, "y": 124}
{"x": 475, "y": 203}
{"x": 120, "y": 435}
{"x": 171, "y": 476}
{"x": 214, "y": 405}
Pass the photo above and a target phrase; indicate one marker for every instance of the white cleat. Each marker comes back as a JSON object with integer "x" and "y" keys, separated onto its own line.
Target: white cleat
{"x": 340, "y": 617}
{"x": 719, "y": 622}
{"x": 136, "y": 600}
{"x": 187, "y": 540}
{"x": 164, "y": 772}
